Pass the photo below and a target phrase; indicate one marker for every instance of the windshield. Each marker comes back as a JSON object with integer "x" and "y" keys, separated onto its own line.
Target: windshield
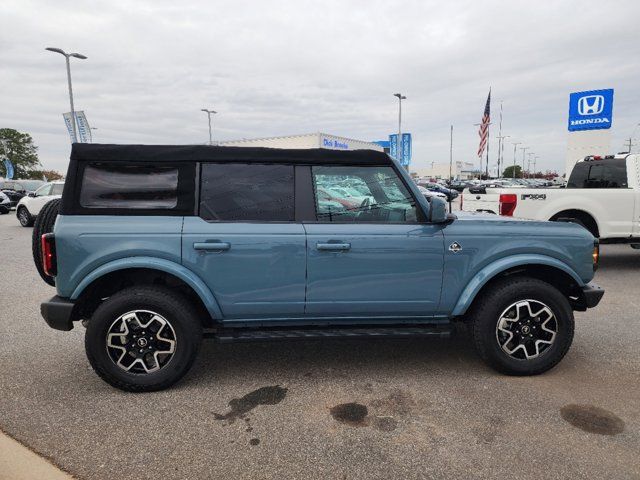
{"x": 31, "y": 185}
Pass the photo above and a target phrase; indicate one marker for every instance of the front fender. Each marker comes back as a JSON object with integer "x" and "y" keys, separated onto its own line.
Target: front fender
{"x": 152, "y": 263}
{"x": 490, "y": 271}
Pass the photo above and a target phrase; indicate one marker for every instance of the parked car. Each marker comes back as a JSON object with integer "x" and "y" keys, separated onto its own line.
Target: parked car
{"x": 16, "y": 189}
{"x": 602, "y": 194}
{"x": 436, "y": 187}
{"x": 459, "y": 185}
{"x": 155, "y": 245}
{"x": 429, "y": 194}
{"x": 29, "y": 206}
{"x": 5, "y": 204}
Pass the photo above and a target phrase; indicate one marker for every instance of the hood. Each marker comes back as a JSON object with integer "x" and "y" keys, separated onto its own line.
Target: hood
{"x": 535, "y": 227}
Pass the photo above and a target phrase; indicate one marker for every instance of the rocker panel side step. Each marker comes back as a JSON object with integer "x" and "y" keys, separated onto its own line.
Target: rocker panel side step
{"x": 314, "y": 333}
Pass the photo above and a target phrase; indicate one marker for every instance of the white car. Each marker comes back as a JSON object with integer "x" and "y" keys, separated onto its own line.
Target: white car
{"x": 29, "y": 206}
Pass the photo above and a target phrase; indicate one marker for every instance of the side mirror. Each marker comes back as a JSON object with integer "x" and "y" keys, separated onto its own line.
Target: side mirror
{"x": 438, "y": 211}
{"x": 31, "y": 194}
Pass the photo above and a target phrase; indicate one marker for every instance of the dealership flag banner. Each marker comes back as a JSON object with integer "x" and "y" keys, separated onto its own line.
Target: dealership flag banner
{"x": 84, "y": 131}
{"x": 8, "y": 166}
{"x": 484, "y": 126}
{"x": 393, "y": 145}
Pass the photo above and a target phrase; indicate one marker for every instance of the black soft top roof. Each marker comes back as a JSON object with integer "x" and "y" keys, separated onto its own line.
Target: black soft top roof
{"x": 197, "y": 153}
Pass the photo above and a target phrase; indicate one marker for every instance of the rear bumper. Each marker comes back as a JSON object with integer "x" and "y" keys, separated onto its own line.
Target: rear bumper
{"x": 591, "y": 295}
{"x": 57, "y": 312}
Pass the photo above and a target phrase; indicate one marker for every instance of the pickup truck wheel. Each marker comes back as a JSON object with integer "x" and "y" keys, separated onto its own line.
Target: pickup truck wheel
{"x": 522, "y": 326}
{"x": 143, "y": 338}
{"x": 24, "y": 217}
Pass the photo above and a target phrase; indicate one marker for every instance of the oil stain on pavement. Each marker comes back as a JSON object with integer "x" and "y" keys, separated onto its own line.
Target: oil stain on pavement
{"x": 357, "y": 415}
{"x": 353, "y": 414}
{"x": 263, "y": 396}
{"x": 592, "y": 419}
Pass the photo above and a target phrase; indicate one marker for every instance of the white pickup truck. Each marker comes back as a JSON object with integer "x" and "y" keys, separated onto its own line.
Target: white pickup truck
{"x": 602, "y": 194}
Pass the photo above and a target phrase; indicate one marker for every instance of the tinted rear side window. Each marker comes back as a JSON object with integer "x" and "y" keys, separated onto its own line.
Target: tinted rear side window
{"x": 145, "y": 187}
{"x": 599, "y": 174}
{"x": 247, "y": 192}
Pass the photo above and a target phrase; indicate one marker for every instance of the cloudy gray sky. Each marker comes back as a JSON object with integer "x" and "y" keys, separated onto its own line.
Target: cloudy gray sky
{"x": 287, "y": 67}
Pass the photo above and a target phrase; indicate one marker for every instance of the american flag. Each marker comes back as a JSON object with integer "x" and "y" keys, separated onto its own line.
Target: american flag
{"x": 484, "y": 126}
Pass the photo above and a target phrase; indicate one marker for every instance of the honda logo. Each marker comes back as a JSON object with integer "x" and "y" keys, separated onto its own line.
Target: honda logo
{"x": 590, "y": 105}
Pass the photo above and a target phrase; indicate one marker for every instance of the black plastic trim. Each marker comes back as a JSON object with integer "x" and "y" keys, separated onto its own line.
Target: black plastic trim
{"x": 592, "y": 294}
{"x": 58, "y": 313}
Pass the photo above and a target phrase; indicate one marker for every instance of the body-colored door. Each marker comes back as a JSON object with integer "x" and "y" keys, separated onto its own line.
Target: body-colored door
{"x": 376, "y": 270}
{"x": 253, "y": 270}
{"x": 370, "y": 253}
{"x": 245, "y": 244}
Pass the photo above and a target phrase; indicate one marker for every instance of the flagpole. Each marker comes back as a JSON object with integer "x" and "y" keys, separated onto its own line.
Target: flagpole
{"x": 488, "y": 142}
{"x": 500, "y": 139}
{"x": 450, "y": 163}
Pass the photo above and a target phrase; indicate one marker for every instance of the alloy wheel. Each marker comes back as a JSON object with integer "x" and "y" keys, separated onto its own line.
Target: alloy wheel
{"x": 141, "y": 342}
{"x": 526, "y": 329}
{"x": 23, "y": 216}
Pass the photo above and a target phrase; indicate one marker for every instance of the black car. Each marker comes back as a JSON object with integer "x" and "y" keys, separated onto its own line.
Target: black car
{"x": 459, "y": 185}
{"x": 16, "y": 189}
{"x": 436, "y": 187}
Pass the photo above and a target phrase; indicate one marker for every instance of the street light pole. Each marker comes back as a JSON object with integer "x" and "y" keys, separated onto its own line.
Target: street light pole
{"x": 73, "y": 113}
{"x": 535, "y": 161}
{"x": 209, "y": 112}
{"x": 515, "y": 145}
{"x": 399, "y": 139}
{"x": 530, "y": 154}
{"x": 524, "y": 149}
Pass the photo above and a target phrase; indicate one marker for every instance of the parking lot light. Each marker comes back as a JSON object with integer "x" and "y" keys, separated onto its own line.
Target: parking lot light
{"x": 209, "y": 112}
{"x": 66, "y": 56}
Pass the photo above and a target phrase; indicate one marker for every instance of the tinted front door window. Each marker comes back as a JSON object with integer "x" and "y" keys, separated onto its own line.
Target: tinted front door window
{"x": 361, "y": 195}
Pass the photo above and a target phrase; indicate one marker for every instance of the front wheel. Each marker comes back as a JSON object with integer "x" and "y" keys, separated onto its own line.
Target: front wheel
{"x": 24, "y": 217}
{"x": 522, "y": 326}
{"x": 143, "y": 338}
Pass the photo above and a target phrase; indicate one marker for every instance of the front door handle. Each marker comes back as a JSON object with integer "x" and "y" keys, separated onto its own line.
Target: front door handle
{"x": 212, "y": 246}
{"x": 333, "y": 247}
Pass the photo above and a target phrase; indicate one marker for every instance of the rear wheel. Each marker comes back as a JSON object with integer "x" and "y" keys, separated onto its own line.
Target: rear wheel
{"x": 24, "y": 217}
{"x": 143, "y": 338}
{"x": 522, "y": 326}
{"x": 44, "y": 223}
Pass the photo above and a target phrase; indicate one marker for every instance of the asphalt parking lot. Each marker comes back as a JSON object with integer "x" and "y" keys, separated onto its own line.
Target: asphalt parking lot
{"x": 425, "y": 408}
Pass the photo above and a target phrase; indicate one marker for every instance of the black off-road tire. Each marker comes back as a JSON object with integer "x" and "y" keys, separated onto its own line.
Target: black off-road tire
{"x": 44, "y": 224}
{"x": 485, "y": 316}
{"x": 170, "y": 305}
{"x": 24, "y": 217}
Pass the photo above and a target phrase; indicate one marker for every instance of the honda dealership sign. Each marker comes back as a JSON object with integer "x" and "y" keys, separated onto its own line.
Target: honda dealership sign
{"x": 590, "y": 110}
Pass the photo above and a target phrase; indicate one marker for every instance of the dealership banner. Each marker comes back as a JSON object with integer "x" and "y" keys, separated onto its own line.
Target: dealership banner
{"x": 8, "y": 166}
{"x": 84, "y": 131}
{"x": 405, "y": 158}
{"x": 405, "y": 148}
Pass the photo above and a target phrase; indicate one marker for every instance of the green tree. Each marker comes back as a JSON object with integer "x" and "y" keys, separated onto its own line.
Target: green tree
{"x": 20, "y": 149}
{"x": 508, "y": 172}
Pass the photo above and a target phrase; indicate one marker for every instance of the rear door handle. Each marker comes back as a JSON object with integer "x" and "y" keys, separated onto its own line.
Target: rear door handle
{"x": 212, "y": 246}
{"x": 333, "y": 247}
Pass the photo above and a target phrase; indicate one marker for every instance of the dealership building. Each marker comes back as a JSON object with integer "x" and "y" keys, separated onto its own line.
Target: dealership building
{"x": 459, "y": 170}
{"x": 308, "y": 140}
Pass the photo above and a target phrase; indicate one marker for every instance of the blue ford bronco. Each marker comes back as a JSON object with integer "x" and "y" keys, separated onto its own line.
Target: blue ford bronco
{"x": 155, "y": 247}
